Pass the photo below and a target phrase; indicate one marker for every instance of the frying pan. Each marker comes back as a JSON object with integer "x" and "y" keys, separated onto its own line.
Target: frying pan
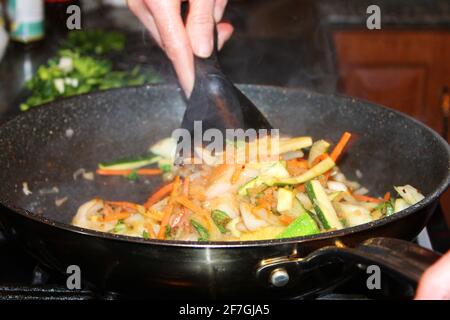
{"x": 44, "y": 147}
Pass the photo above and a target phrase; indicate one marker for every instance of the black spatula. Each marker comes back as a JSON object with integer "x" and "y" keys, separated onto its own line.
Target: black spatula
{"x": 217, "y": 102}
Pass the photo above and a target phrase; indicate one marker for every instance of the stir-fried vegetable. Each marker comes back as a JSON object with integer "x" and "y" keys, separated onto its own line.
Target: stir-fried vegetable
{"x": 304, "y": 195}
{"x": 304, "y": 225}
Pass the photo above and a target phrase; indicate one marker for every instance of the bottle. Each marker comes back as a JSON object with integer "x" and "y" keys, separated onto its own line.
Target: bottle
{"x": 3, "y": 34}
{"x": 26, "y": 20}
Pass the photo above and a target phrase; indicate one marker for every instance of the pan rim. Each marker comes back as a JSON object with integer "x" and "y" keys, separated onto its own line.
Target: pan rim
{"x": 428, "y": 201}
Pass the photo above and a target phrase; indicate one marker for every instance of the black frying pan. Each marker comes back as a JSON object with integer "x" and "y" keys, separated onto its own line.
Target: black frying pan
{"x": 389, "y": 149}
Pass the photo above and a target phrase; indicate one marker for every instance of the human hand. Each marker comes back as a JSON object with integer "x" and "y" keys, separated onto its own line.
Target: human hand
{"x": 180, "y": 42}
{"x": 435, "y": 282}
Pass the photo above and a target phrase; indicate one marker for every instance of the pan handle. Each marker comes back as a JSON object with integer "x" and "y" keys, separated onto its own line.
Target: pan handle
{"x": 397, "y": 257}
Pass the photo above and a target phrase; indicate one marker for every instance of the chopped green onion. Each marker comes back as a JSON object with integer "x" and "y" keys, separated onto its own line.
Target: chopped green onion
{"x": 221, "y": 219}
{"x": 201, "y": 230}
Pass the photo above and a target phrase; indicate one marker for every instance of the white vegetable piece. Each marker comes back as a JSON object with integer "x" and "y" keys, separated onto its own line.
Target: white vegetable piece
{"x": 354, "y": 215}
{"x": 284, "y": 200}
{"x": 250, "y": 220}
{"x": 65, "y": 64}
{"x": 59, "y": 85}
{"x": 336, "y": 186}
{"x": 400, "y": 204}
{"x": 410, "y": 194}
{"x": 165, "y": 148}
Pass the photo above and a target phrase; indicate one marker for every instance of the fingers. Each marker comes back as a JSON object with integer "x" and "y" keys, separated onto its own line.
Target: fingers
{"x": 435, "y": 282}
{"x": 224, "y": 31}
{"x": 200, "y": 26}
{"x": 174, "y": 39}
{"x": 219, "y": 9}
{"x": 163, "y": 21}
{"x": 139, "y": 8}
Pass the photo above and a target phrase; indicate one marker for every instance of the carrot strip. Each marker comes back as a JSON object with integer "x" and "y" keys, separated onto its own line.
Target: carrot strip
{"x": 107, "y": 209}
{"x": 387, "y": 196}
{"x": 190, "y": 205}
{"x": 142, "y": 172}
{"x": 296, "y": 167}
{"x": 150, "y": 230}
{"x": 148, "y": 172}
{"x": 323, "y": 156}
{"x": 176, "y": 185}
{"x": 285, "y": 219}
{"x": 168, "y": 209}
{"x": 217, "y": 172}
{"x": 115, "y": 216}
{"x": 366, "y": 198}
{"x": 237, "y": 173}
{"x": 300, "y": 163}
{"x": 107, "y": 172}
{"x": 196, "y": 209}
{"x": 337, "y": 151}
{"x": 158, "y": 195}
{"x": 186, "y": 184}
{"x": 165, "y": 221}
{"x": 301, "y": 188}
{"x": 124, "y": 204}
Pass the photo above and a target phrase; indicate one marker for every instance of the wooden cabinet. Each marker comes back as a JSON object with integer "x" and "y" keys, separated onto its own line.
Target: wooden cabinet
{"x": 404, "y": 70}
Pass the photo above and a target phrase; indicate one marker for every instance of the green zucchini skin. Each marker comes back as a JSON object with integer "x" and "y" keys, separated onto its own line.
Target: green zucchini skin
{"x": 304, "y": 225}
{"x": 317, "y": 170}
{"x": 130, "y": 163}
{"x": 322, "y": 206}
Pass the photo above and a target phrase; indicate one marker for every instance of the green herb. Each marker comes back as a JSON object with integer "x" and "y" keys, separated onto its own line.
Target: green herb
{"x": 386, "y": 208}
{"x": 145, "y": 234}
{"x": 221, "y": 219}
{"x": 120, "y": 227}
{"x": 165, "y": 167}
{"x": 71, "y": 73}
{"x": 201, "y": 230}
{"x": 133, "y": 176}
{"x": 168, "y": 233}
{"x": 389, "y": 207}
{"x": 94, "y": 41}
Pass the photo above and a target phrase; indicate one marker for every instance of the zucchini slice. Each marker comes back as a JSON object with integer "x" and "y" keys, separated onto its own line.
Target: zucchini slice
{"x": 277, "y": 170}
{"x": 294, "y": 144}
{"x": 297, "y": 208}
{"x": 285, "y": 199}
{"x": 319, "y": 147}
{"x": 130, "y": 163}
{"x": 303, "y": 225}
{"x": 320, "y": 168}
{"x": 322, "y": 205}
